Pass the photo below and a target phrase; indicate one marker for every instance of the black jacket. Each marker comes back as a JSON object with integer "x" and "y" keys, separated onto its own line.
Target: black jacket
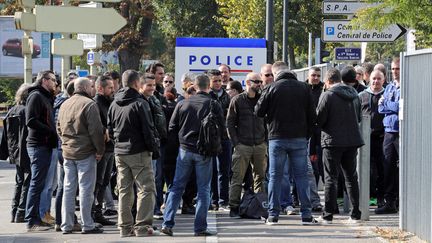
{"x": 13, "y": 143}
{"x": 104, "y": 103}
{"x": 339, "y": 114}
{"x": 39, "y": 114}
{"x": 369, "y": 106}
{"x": 186, "y": 119}
{"x": 242, "y": 124}
{"x": 315, "y": 139}
{"x": 130, "y": 123}
{"x": 224, "y": 101}
{"x": 288, "y": 106}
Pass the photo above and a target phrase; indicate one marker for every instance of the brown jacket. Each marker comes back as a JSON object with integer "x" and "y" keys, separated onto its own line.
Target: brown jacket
{"x": 80, "y": 128}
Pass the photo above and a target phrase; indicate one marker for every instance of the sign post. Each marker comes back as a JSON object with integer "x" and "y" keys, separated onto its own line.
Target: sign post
{"x": 342, "y": 31}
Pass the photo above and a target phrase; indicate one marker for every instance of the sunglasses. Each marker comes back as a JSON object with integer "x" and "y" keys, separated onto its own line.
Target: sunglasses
{"x": 168, "y": 81}
{"x": 268, "y": 74}
{"x": 256, "y": 81}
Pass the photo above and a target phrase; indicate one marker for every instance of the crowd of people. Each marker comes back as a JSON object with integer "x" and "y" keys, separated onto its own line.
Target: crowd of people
{"x": 130, "y": 136}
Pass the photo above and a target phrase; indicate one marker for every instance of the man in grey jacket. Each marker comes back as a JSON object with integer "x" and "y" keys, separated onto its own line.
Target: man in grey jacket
{"x": 338, "y": 115}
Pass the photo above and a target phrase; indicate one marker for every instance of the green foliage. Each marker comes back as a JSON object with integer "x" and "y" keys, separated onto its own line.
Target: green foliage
{"x": 414, "y": 14}
{"x": 8, "y": 88}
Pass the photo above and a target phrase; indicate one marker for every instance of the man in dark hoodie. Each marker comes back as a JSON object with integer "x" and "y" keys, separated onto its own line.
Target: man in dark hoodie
{"x": 13, "y": 146}
{"x": 339, "y": 114}
{"x": 369, "y": 103}
{"x": 41, "y": 139}
{"x": 348, "y": 74}
{"x": 131, "y": 126}
{"x": 288, "y": 106}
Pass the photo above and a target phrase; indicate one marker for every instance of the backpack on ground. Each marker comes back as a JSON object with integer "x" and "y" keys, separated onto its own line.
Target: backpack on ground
{"x": 253, "y": 205}
{"x": 209, "y": 139}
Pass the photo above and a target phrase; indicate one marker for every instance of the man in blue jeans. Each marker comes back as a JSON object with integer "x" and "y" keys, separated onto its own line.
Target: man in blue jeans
{"x": 186, "y": 122}
{"x": 287, "y": 104}
{"x": 41, "y": 139}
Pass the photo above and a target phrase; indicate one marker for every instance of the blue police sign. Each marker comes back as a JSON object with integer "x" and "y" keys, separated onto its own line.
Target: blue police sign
{"x": 90, "y": 58}
{"x": 347, "y": 54}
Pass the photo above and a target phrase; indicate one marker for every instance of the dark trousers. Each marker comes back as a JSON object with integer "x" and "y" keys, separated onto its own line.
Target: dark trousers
{"x": 22, "y": 182}
{"x": 221, "y": 175}
{"x": 40, "y": 159}
{"x": 345, "y": 158}
{"x": 391, "y": 168}
{"x": 103, "y": 176}
{"x": 377, "y": 166}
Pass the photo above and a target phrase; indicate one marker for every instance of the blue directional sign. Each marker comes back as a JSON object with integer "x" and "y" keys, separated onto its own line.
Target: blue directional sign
{"x": 347, "y": 54}
{"x": 90, "y": 58}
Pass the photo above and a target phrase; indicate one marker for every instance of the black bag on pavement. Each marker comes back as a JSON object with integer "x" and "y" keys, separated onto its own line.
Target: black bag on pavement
{"x": 209, "y": 140}
{"x": 253, "y": 205}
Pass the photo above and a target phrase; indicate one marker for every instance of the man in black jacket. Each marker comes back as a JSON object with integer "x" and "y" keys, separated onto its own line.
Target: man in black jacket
{"x": 131, "y": 125}
{"x": 41, "y": 139}
{"x": 287, "y": 104}
{"x": 338, "y": 114}
{"x": 247, "y": 133}
{"x": 103, "y": 98}
{"x": 222, "y": 162}
{"x": 186, "y": 122}
{"x": 13, "y": 146}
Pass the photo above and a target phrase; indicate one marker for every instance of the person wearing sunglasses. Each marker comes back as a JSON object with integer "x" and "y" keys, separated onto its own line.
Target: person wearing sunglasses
{"x": 266, "y": 74}
{"x": 247, "y": 133}
{"x": 168, "y": 80}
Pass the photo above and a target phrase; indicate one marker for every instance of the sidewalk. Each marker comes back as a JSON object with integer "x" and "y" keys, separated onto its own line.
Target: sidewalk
{"x": 289, "y": 228}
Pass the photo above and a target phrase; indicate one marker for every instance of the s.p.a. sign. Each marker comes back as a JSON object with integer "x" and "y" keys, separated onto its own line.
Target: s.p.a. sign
{"x": 200, "y": 54}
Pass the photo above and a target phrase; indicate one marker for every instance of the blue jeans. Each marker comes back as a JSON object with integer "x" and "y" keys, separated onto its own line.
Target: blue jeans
{"x": 187, "y": 161}
{"x": 59, "y": 195}
{"x": 286, "y": 197}
{"x": 50, "y": 185}
{"x": 40, "y": 159}
{"x": 296, "y": 150}
{"x": 221, "y": 174}
{"x": 78, "y": 174}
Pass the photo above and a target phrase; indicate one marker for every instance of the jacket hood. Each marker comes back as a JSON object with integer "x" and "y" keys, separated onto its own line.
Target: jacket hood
{"x": 40, "y": 89}
{"x": 125, "y": 96}
{"x": 371, "y": 92}
{"x": 285, "y": 75}
{"x": 344, "y": 91}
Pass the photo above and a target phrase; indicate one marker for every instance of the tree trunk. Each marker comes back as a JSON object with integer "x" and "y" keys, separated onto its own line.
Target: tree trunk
{"x": 291, "y": 57}
{"x": 129, "y": 59}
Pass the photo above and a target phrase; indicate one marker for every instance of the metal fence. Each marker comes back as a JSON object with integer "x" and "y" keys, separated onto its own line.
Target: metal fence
{"x": 415, "y": 116}
{"x": 302, "y": 73}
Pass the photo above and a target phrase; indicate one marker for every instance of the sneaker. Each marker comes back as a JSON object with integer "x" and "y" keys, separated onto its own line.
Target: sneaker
{"x": 46, "y": 219}
{"x": 324, "y": 221}
{"x": 146, "y": 232}
{"x": 95, "y": 230}
{"x": 290, "y": 210}
{"x": 66, "y": 232}
{"x": 310, "y": 221}
{"x": 206, "y": 232}
{"x": 158, "y": 215}
{"x": 213, "y": 207}
{"x": 352, "y": 221}
{"x": 126, "y": 232}
{"x": 110, "y": 212}
{"x": 234, "y": 212}
{"x": 388, "y": 208}
{"x": 97, "y": 225}
{"x": 49, "y": 216}
{"x": 167, "y": 231}
{"x": 104, "y": 221}
{"x": 51, "y": 226}
{"x": 38, "y": 228}
{"x": 224, "y": 208}
{"x": 271, "y": 220}
{"x": 317, "y": 208}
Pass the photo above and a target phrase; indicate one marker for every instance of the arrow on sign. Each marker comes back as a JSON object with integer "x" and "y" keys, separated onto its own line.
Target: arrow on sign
{"x": 342, "y": 31}
{"x": 78, "y": 20}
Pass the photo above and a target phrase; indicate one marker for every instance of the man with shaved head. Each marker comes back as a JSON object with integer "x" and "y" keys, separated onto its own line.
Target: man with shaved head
{"x": 266, "y": 74}
{"x": 369, "y": 104}
{"x": 247, "y": 134}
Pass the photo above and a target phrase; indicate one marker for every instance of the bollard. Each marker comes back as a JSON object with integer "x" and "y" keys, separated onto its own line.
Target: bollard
{"x": 363, "y": 167}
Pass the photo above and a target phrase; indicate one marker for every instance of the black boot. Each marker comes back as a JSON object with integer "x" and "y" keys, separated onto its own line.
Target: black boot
{"x": 99, "y": 218}
{"x": 20, "y": 217}
{"x": 388, "y": 208}
{"x": 13, "y": 213}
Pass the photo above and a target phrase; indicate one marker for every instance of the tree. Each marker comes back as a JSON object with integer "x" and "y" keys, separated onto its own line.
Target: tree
{"x": 246, "y": 19}
{"x": 415, "y": 14}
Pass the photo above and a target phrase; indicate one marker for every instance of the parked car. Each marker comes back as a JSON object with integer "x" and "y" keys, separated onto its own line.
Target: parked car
{"x": 13, "y": 47}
